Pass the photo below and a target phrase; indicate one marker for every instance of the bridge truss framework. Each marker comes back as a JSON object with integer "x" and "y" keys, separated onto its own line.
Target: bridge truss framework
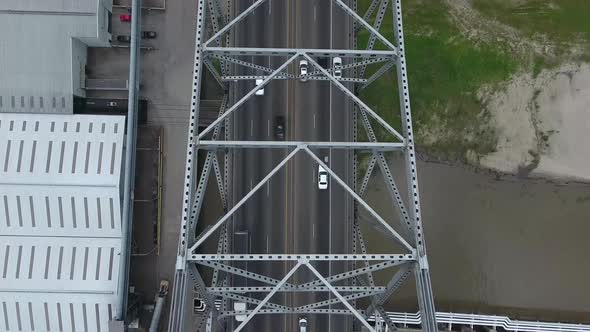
{"x": 214, "y": 53}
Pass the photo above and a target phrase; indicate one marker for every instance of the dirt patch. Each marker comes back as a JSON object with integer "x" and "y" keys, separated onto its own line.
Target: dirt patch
{"x": 541, "y": 124}
{"x": 480, "y": 28}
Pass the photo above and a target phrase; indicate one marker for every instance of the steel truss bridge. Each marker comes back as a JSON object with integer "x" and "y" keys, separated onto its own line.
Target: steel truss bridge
{"x": 215, "y": 52}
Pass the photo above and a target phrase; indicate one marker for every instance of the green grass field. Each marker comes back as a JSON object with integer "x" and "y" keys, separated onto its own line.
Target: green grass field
{"x": 563, "y": 21}
{"x": 445, "y": 71}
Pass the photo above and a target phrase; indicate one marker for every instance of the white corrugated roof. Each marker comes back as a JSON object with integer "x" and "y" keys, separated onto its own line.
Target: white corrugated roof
{"x": 60, "y": 221}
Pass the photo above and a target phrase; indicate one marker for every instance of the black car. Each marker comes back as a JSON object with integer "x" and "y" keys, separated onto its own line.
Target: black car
{"x": 148, "y": 34}
{"x": 124, "y": 38}
{"x": 280, "y": 127}
{"x": 324, "y": 62}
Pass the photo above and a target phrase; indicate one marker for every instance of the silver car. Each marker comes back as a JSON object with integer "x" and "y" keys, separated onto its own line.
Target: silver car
{"x": 322, "y": 178}
{"x": 303, "y": 70}
{"x": 337, "y": 64}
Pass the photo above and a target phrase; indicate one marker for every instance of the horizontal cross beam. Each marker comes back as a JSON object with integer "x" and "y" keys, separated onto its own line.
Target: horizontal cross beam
{"x": 282, "y": 76}
{"x": 379, "y": 146}
{"x": 265, "y": 289}
{"x": 403, "y": 258}
{"x": 253, "y": 51}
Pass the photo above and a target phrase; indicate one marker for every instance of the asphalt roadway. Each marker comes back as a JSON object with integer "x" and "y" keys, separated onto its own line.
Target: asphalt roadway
{"x": 290, "y": 214}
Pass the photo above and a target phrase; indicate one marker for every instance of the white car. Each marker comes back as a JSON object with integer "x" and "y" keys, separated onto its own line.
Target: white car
{"x": 337, "y": 63}
{"x": 303, "y": 324}
{"x": 240, "y": 306}
{"x": 303, "y": 70}
{"x": 259, "y": 92}
{"x": 322, "y": 178}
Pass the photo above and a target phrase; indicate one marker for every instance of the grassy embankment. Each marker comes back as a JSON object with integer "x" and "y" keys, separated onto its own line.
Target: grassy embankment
{"x": 445, "y": 71}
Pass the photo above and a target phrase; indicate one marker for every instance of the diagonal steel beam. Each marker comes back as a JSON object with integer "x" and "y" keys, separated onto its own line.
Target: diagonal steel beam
{"x": 230, "y": 213}
{"x": 335, "y": 300}
{"x": 204, "y": 179}
{"x": 214, "y": 73}
{"x": 233, "y": 22}
{"x": 201, "y": 288}
{"x": 357, "y": 314}
{"x": 390, "y": 324}
{"x": 353, "y": 273}
{"x": 392, "y": 286}
{"x": 365, "y": 24}
{"x": 361, "y": 241}
{"x": 252, "y": 300}
{"x": 367, "y": 175}
{"x": 377, "y": 25}
{"x": 377, "y": 74}
{"x": 243, "y": 273}
{"x": 389, "y": 180}
{"x": 356, "y": 99}
{"x": 219, "y": 178}
{"x": 222, "y": 235}
{"x": 369, "y": 12}
{"x": 247, "y": 96}
{"x": 267, "y": 297}
{"x": 353, "y": 65}
{"x": 249, "y": 64}
{"x": 395, "y": 234}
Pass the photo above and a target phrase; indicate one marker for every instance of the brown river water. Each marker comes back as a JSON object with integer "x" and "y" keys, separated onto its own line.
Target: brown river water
{"x": 517, "y": 247}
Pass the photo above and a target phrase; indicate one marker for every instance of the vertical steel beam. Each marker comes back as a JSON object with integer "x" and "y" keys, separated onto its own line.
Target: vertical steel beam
{"x": 129, "y": 171}
{"x": 176, "y": 321}
{"x": 423, "y": 285}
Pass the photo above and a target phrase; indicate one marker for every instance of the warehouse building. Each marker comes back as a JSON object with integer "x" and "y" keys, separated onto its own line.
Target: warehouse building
{"x": 43, "y": 47}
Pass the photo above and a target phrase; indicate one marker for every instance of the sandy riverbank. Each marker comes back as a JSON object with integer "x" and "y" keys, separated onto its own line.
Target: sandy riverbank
{"x": 543, "y": 124}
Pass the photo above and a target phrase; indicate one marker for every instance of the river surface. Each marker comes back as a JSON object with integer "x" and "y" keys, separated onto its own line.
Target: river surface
{"x": 518, "y": 247}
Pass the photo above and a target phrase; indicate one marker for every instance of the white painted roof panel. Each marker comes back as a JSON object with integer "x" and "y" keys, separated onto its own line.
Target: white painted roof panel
{"x": 60, "y": 221}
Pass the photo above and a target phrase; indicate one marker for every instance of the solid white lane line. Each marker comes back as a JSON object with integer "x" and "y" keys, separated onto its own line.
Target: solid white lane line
{"x": 252, "y": 127}
{"x": 251, "y": 184}
{"x": 268, "y": 188}
{"x": 315, "y": 13}
{"x": 268, "y": 128}
{"x": 267, "y": 246}
{"x": 314, "y": 124}
{"x": 269, "y": 7}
